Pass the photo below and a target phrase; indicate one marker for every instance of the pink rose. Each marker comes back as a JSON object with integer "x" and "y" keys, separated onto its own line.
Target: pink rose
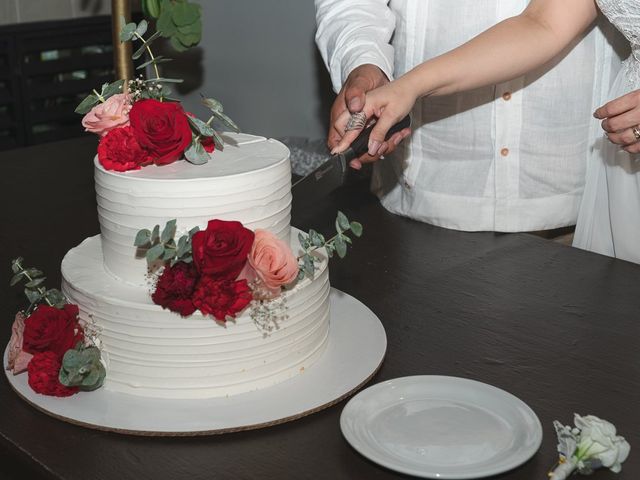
{"x": 107, "y": 115}
{"x": 17, "y": 358}
{"x": 273, "y": 261}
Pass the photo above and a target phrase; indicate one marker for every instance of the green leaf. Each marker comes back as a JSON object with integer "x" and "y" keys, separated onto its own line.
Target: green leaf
{"x": 169, "y": 231}
{"x": 34, "y": 272}
{"x": 56, "y": 297}
{"x": 200, "y": 127}
{"x": 164, "y": 80}
{"x": 308, "y": 265}
{"x": 87, "y": 104}
{"x": 151, "y": 8}
{"x": 139, "y": 52}
{"x": 342, "y": 221}
{"x": 187, "y": 259}
{"x": 193, "y": 231}
{"x": 189, "y": 39}
{"x": 177, "y": 45}
{"x": 143, "y": 237}
{"x": 217, "y": 141}
{"x": 196, "y": 153}
{"x": 341, "y": 246}
{"x": 156, "y": 61}
{"x": 212, "y": 104}
{"x": 155, "y": 234}
{"x": 183, "y": 246}
{"x": 113, "y": 88}
{"x": 154, "y": 253}
{"x": 185, "y": 13}
{"x": 17, "y": 278}
{"x": 301, "y": 238}
{"x": 165, "y": 24}
{"x": 127, "y": 32}
{"x": 317, "y": 240}
{"x": 33, "y": 295}
{"x": 226, "y": 121}
{"x": 142, "y": 27}
{"x": 35, "y": 283}
{"x": 169, "y": 253}
{"x": 356, "y": 228}
{"x": 16, "y": 264}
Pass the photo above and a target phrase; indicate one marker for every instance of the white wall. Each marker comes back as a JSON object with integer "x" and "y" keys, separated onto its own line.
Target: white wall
{"x": 259, "y": 59}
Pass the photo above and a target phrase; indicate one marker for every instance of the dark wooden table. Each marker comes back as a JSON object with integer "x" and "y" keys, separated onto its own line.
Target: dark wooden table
{"x": 555, "y": 326}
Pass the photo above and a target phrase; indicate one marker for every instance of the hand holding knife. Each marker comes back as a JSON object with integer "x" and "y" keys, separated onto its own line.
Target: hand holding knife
{"x": 332, "y": 173}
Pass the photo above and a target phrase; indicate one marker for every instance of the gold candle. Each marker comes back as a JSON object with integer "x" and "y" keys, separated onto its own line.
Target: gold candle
{"x": 121, "y": 51}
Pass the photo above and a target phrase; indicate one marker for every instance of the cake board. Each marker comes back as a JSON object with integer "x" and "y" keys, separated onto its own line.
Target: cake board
{"x": 355, "y": 351}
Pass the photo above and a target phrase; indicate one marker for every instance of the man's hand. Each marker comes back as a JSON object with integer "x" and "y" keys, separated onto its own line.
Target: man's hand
{"x": 351, "y": 99}
{"x": 621, "y": 119}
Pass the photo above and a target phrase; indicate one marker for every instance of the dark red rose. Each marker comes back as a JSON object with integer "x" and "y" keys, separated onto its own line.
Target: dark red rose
{"x": 221, "y": 299}
{"x": 161, "y": 128}
{"x": 208, "y": 144}
{"x": 221, "y": 250}
{"x": 52, "y": 329}
{"x": 175, "y": 288}
{"x": 43, "y": 371}
{"x": 120, "y": 151}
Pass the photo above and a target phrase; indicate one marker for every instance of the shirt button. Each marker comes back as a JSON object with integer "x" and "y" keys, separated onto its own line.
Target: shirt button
{"x": 504, "y": 152}
{"x": 506, "y": 96}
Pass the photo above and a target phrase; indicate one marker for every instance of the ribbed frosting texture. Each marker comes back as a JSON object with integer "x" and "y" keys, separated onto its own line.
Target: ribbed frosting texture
{"x": 249, "y": 181}
{"x": 154, "y": 352}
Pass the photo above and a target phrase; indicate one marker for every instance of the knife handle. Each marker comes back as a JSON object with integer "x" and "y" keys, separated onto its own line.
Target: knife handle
{"x": 360, "y": 145}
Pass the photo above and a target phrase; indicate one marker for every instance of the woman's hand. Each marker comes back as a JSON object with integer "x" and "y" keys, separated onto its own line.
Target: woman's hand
{"x": 620, "y": 117}
{"x": 387, "y": 105}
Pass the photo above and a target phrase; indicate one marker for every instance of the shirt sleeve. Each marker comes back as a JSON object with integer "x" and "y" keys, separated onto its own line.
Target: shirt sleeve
{"x": 352, "y": 33}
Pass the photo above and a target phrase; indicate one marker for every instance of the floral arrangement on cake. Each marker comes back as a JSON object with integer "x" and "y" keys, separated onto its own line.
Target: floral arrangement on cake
{"x": 223, "y": 269}
{"x": 138, "y": 122}
{"x": 49, "y": 342}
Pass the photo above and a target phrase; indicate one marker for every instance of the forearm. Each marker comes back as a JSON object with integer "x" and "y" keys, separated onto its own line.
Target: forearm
{"x": 506, "y": 51}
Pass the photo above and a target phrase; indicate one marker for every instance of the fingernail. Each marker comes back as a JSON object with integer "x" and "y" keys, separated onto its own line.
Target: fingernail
{"x": 374, "y": 145}
{"x": 595, "y": 114}
{"x": 355, "y": 105}
{"x": 397, "y": 140}
{"x": 355, "y": 164}
{"x": 334, "y": 151}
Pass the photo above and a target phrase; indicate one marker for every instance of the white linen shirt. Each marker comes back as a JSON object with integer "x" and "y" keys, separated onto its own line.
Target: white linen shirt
{"x": 509, "y": 157}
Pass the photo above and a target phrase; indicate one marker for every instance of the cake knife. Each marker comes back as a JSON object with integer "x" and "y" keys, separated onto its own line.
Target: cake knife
{"x": 332, "y": 173}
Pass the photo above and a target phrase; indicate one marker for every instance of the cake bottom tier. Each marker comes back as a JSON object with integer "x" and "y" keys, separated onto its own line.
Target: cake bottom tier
{"x": 153, "y": 352}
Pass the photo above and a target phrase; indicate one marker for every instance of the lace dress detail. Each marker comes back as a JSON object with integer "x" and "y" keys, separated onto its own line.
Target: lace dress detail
{"x": 625, "y": 15}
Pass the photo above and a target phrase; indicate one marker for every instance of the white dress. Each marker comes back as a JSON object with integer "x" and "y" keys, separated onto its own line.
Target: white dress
{"x": 609, "y": 216}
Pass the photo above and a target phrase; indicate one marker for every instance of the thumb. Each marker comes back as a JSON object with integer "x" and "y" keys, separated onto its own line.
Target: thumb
{"x": 379, "y": 132}
{"x": 354, "y": 95}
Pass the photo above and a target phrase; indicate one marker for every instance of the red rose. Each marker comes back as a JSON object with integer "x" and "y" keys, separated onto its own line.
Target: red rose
{"x": 175, "y": 288}
{"x": 43, "y": 371}
{"x": 161, "y": 128}
{"x": 52, "y": 329}
{"x": 208, "y": 144}
{"x": 120, "y": 151}
{"x": 221, "y": 250}
{"x": 221, "y": 299}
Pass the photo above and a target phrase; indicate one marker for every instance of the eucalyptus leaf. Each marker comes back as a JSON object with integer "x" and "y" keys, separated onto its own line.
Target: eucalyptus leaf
{"x": 55, "y": 296}
{"x": 87, "y": 104}
{"x": 212, "y": 104}
{"x": 165, "y": 80}
{"x": 154, "y": 253}
{"x": 17, "y": 278}
{"x": 140, "y": 51}
{"x": 217, "y": 140}
{"x": 185, "y": 13}
{"x": 113, "y": 88}
{"x": 201, "y": 127}
{"x": 35, "y": 283}
{"x": 177, "y": 44}
{"x": 342, "y": 221}
{"x": 196, "y": 153}
{"x": 226, "y": 121}
{"x": 33, "y": 295}
{"x": 127, "y": 32}
{"x": 169, "y": 253}
{"x": 169, "y": 231}
{"x": 16, "y": 264}
{"x": 193, "y": 231}
{"x": 34, "y": 272}
{"x": 187, "y": 259}
{"x": 142, "y": 27}
{"x": 155, "y": 61}
{"x": 151, "y": 8}
{"x": 155, "y": 234}
{"x": 165, "y": 23}
{"x": 356, "y": 228}
{"x": 143, "y": 237}
{"x": 341, "y": 246}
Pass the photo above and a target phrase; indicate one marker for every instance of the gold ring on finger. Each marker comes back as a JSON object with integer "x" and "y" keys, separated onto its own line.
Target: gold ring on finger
{"x": 636, "y": 132}
{"x": 358, "y": 121}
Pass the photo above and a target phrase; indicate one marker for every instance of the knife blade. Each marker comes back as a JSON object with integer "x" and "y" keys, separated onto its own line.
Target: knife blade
{"x": 333, "y": 173}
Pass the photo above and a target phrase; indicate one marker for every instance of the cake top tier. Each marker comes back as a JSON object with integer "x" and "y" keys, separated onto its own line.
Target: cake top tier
{"x": 243, "y": 154}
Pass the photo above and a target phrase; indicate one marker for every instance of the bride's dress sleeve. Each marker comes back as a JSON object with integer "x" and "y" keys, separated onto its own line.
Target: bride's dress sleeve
{"x": 354, "y": 32}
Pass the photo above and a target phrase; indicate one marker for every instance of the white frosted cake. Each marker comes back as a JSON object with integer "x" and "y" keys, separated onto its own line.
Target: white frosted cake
{"x": 154, "y": 352}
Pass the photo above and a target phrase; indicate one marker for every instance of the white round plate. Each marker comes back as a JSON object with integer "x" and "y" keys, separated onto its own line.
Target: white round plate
{"x": 441, "y": 427}
{"x": 356, "y": 348}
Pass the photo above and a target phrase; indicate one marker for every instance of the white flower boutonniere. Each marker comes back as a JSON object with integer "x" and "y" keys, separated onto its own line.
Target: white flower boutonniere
{"x": 591, "y": 444}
